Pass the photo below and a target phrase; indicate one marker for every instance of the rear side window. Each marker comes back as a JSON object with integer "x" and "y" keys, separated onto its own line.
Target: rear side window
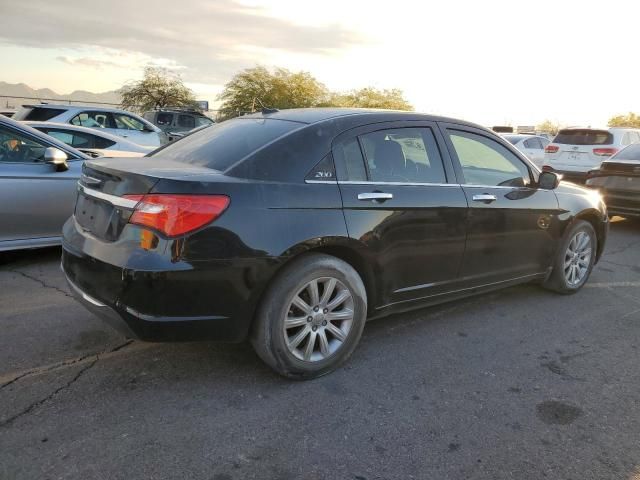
{"x": 533, "y": 143}
{"x": 584, "y": 137}
{"x": 93, "y": 120}
{"x": 407, "y": 155}
{"x": 349, "y": 161}
{"x": 164, "y": 119}
{"x": 38, "y": 114}
{"x": 224, "y": 144}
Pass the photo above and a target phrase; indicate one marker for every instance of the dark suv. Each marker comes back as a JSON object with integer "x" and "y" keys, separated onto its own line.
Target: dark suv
{"x": 292, "y": 228}
{"x": 177, "y": 120}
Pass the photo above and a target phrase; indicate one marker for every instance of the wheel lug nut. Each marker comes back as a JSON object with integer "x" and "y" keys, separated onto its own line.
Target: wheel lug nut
{"x": 314, "y": 328}
{"x": 324, "y": 323}
{"x": 316, "y": 308}
{"x": 326, "y": 310}
{"x": 309, "y": 319}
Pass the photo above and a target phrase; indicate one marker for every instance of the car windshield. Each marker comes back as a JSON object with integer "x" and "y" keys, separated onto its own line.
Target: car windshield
{"x": 632, "y": 152}
{"x": 584, "y": 137}
{"x": 223, "y": 144}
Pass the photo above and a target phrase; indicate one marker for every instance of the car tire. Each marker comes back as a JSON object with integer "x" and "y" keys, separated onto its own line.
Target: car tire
{"x": 304, "y": 343}
{"x": 570, "y": 270}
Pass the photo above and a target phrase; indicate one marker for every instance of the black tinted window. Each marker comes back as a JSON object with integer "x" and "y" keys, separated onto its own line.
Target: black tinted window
{"x": 223, "y": 144}
{"x": 408, "y": 155}
{"x": 164, "y": 119}
{"x": 486, "y": 162}
{"x": 186, "y": 121}
{"x": 584, "y": 137}
{"x": 349, "y": 161}
{"x": 38, "y": 114}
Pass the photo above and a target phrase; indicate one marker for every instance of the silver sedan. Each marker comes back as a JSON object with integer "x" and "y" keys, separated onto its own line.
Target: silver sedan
{"x": 38, "y": 176}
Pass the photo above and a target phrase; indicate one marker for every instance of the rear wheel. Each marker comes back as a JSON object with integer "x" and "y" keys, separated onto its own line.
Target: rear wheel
{"x": 574, "y": 260}
{"x": 311, "y": 318}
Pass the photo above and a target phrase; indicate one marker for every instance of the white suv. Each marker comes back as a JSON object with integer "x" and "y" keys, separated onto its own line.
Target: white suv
{"x": 111, "y": 120}
{"x": 575, "y": 151}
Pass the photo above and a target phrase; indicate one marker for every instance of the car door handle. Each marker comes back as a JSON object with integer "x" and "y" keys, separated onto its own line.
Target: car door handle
{"x": 375, "y": 196}
{"x": 484, "y": 197}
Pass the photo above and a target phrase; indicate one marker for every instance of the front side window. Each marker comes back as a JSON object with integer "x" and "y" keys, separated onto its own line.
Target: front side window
{"x": 186, "y": 121}
{"x": 93, "y": 120}
{"x": 18, "y": 148}
{"x": 408, "y": 155}
{"x": 487, "y": 162}
{"x": 125, "y": 122}
{"x": 200, "y": 121}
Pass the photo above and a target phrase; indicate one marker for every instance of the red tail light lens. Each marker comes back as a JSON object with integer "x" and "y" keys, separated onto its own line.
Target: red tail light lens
{"x": 604, "y": 152}
{"x": 551, "y": 149}
{"x": 174, "y": 214}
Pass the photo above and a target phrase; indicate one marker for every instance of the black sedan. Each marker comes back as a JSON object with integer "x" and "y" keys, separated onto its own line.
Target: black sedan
{"x": 292, "y": 228}
{"x": 618, "y": 179}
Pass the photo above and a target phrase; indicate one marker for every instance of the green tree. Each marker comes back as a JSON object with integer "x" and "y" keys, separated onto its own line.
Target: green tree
{"x": 629, "y": 120}
{"x": 549, "y": 127}
{"x": 159, "y": 88}
{"x": 257, "y": 87}
{"x": 370, "y": 97}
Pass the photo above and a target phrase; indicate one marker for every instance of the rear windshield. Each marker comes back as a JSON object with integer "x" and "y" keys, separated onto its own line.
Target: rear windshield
{"x": 223, "y": 144}
{"x": 632, "y": 152}
{"x": 584, "y": 137}
{"x": 513, "y": 139}
{"x": 38, "y": 114}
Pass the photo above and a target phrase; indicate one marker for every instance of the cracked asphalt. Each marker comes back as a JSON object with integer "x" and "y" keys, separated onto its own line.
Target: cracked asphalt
{"x": 516, "y": 384}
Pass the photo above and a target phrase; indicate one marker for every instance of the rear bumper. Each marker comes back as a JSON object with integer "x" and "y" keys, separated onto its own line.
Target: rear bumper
{"x": 160, "y": 306}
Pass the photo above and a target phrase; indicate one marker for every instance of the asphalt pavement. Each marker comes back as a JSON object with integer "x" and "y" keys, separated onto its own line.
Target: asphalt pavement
{"x": 517, "y": 384}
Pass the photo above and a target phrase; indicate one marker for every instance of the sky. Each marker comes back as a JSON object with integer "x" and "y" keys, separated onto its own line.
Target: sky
{"x": 492, "y": 62}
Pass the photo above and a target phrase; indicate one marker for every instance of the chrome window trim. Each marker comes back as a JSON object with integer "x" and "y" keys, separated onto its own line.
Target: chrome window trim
{"x": 112, "y": 199}
{"x": 411, "y": 184}
{"x": 326, "y": 182}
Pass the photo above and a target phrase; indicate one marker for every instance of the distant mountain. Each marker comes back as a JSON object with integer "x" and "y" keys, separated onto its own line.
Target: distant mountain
{"x": 17, "y": 94}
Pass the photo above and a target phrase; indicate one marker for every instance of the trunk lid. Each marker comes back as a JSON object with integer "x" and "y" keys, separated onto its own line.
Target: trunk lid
{"x": 100, "y": 209}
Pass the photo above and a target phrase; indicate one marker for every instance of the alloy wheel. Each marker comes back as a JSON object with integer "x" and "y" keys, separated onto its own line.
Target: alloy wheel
{"x": 318, "y": 319}
{"x": 577, "y": 258}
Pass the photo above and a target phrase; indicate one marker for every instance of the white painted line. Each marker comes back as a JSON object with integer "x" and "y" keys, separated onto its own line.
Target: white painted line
{"x": 612, "y": 284}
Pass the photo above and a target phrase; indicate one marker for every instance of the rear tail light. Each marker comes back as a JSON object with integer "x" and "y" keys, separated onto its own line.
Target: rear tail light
{"x": 173, "y": 214}
{"x": 551, "y": 149}
{"x": 604, "y": 152}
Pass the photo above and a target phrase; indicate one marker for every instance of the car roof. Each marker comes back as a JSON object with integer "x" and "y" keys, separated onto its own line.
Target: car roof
{"x": 78, "y": 128}
{"x": 38, "y": 134}
{"x": 79, "y": 107}
{"x": 315, "y": 115}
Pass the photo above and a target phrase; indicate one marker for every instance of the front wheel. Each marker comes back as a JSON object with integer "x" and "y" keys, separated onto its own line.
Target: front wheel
{"x": 575, "y": 259}
{"x": 311, "y": 317}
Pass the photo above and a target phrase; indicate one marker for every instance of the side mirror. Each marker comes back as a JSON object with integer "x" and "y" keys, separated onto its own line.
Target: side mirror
{"x": 549, "y": 180}
{"x": 57, "y": 158}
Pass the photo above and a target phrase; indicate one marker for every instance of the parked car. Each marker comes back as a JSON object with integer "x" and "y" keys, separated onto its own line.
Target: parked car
{"x": 177, "y": 121}
{"x": 575, "y": 151}
{"x": 292, "y": 228}
{"x": 117, "y": 122}
{"x": 38, "y": 176}
{"x": 531, "y": 145}
{"x": 84, "y": 138}
{"x": 618, "y": 179}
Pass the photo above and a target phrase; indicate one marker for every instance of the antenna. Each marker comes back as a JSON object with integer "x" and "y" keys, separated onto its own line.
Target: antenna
{"x": 265, "y": 110}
